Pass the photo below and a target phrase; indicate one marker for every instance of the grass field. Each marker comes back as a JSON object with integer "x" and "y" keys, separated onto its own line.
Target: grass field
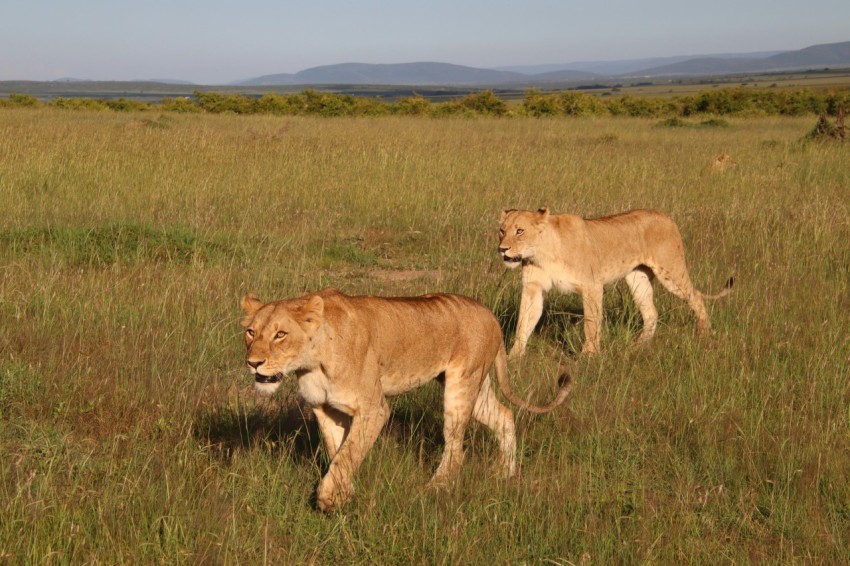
{"x": 130, "y": 433}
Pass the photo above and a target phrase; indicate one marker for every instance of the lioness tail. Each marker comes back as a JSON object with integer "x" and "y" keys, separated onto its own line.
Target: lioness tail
{"x": 505, "y": 386}
{"x": 726, "y": 290}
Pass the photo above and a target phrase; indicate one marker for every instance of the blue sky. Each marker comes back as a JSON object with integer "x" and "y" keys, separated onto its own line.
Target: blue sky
{"x": 217, "y": 41}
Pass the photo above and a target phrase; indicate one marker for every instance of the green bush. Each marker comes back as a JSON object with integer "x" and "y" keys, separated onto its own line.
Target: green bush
{"x": 216, "y": 103}
{"x": 537, "y": 104}
{"x": 182, "y": 104}
{"x": 411, "y": 106}
{"x": 284, "y": 105}
{"x": 126, "y": 105}
{"x": 79, "y": 104}
{"x": 574, "y": 103}
{"x": 484, "y": 103}
{"x": 23, "y": 100}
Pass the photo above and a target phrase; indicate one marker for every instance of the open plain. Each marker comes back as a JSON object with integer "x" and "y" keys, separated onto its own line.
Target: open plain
{"x": 130, "y": 432}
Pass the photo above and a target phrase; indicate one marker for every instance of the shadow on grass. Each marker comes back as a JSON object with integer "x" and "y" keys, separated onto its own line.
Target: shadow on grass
{"x": 416, "y": 420}
{"x": 288, "y": 428}
{"x": 276, "y": 429}
{"x": 563, "y": 315}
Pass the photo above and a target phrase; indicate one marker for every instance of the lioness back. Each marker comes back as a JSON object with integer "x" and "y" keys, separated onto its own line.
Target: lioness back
{"x": 404, "y": 332}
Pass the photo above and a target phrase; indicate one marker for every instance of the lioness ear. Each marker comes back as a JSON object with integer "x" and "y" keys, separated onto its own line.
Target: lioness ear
{"x": 544, "y": 212}
{"x": 250, "y": 304}
{"x": 312, "y": 313}
{"x": 505, "y": 213}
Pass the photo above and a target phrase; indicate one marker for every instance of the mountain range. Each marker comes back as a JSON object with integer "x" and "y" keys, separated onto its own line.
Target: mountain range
{"x": 426, "y": 73}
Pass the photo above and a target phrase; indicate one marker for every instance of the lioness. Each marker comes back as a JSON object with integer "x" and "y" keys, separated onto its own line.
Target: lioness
{"x": 572, "y": 254}
{"x": 349, "y": 353}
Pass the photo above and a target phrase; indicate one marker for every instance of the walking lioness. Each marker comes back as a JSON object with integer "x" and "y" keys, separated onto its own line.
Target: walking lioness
{"x": 349, "y": 353}
{"x": 575, "y": 255}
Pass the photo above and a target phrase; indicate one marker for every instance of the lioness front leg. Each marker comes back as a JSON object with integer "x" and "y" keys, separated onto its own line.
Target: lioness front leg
{"x": 336, "y": 488}
{"x": 334, "y": 425}
{"x": 592, "y": 304}
{"x": 530, "y": 310}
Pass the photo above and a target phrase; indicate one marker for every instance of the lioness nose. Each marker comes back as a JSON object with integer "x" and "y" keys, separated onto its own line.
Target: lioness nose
{"x": 255, "y": 363}
{"x": 503, "y": 250}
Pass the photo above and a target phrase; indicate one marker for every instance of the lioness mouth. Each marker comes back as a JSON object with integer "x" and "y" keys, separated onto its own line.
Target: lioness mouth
{"x": 268, "y": 378}
{"x": 509, "y": 259}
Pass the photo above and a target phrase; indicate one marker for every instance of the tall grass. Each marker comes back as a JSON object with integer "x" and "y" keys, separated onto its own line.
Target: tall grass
{"x": 130, "y": 433}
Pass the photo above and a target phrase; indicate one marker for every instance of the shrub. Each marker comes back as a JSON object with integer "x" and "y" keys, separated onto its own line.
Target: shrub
{"x": 126, "y": 105}
{"x": 580, "y": 104}
{"x": 182, "y": 104}
{"x": 537, "y": 104}
{"x": 278, "y": 104}
{"x": 219, "y": 103}
{"x": 367, "y": 106}
{"x": 485, "y": 103}
{"x": 79, "y": 104}
{"x": 411, "y": 106}
{"x": 23, "y": 100}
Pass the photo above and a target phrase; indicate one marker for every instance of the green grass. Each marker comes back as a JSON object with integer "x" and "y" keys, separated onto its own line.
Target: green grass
{"x": 130, "y": 432}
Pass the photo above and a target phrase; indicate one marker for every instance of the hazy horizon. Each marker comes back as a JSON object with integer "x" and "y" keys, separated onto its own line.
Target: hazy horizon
{"x": 217, "y": 42}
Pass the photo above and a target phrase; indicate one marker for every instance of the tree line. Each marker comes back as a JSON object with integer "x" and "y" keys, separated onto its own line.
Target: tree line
{"x": 535, "y": 103}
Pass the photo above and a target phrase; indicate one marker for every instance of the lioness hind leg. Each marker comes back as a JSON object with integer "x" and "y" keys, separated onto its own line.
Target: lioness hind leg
{"x": 679, "y": 283}
{"x": 498, "y": 418}
{"x": 458, "y": 401}
{"x": 640, "y": 285}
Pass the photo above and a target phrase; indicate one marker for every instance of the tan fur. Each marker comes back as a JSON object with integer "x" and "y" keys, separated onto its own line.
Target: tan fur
{"x": 349, "y": 353}
{"x": 722, "y": 162}
{"x": 574, "y": 255}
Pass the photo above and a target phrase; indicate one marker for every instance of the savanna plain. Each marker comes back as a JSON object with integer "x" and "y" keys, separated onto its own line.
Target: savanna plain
{"x": 130, "y": 431}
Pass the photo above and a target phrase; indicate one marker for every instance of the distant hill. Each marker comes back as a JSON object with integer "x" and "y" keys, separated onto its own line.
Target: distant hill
{"x": 565, "y": 75}
{"x": 625, "y": 66}
{"x": 427, "y": 73}
{"x": 816, "y": 56}
{"x": 157, "y": 81}
{"x": 389, "y": 74}
{"x": 165, "y": 81}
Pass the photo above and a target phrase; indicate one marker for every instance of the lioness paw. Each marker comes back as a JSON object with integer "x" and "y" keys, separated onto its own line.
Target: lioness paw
{"x": 330, "y": 496}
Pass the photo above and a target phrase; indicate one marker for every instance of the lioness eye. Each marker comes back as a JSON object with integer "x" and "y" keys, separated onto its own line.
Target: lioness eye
{"x": 280, "y": 334}
{"x": 249, "y": 333}
{"x": 519, "y": 231}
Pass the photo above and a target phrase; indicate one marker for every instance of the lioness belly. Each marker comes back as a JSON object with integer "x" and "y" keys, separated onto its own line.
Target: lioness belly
{"x": 394, "y": 383}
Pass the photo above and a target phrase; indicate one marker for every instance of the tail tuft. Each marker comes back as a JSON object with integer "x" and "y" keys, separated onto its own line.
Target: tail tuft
{"x": 726, "y": 290}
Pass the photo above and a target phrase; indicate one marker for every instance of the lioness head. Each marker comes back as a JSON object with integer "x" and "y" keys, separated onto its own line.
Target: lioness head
{"x": 278, "y": 337}
{"x": 518, "y": 234}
